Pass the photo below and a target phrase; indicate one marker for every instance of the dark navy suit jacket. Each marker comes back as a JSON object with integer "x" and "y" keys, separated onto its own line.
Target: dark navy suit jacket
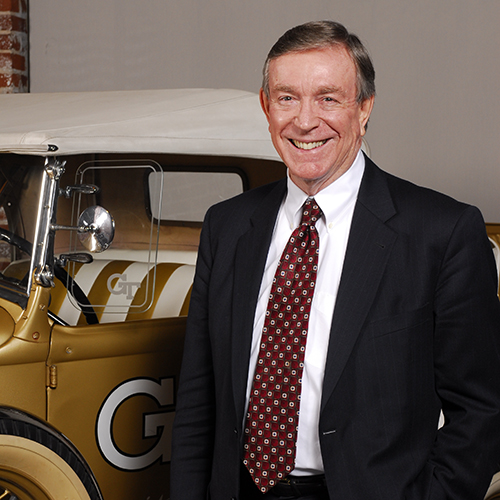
{"x": 416, "y": 329}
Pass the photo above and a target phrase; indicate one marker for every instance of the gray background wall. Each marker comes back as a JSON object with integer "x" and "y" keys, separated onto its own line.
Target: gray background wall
{"x": 436, "y": 118}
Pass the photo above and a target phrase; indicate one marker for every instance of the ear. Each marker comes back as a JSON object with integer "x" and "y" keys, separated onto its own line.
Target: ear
{"x": 264, "y": 103}
{"x": 365, "y": 111}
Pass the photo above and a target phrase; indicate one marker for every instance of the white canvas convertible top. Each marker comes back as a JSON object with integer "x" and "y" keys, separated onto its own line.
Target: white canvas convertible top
{"x": 182, "y": 121}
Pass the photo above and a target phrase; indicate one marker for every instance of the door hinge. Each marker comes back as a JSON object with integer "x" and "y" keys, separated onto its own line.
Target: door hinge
{"x": 52, "y": 377}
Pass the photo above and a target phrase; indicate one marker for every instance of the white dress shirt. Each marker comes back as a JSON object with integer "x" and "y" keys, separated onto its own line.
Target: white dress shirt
{"x": 337, "y": 202}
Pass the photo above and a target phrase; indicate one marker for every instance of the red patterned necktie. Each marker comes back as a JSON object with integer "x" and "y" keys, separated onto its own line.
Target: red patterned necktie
{"x": 273, "y": 413}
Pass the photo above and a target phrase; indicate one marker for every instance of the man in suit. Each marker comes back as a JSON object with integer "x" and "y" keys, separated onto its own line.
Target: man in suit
{"x": 402, "y": 320}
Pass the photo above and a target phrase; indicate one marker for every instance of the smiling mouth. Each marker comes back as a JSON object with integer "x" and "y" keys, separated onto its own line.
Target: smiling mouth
{"x": 307, "y": 145}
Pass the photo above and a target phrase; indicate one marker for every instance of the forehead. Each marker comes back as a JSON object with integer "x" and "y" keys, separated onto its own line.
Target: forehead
{"x": 326, "y": 67}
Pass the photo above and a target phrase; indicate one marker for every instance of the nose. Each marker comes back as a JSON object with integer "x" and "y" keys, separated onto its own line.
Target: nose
{"x": 307, "y": 117}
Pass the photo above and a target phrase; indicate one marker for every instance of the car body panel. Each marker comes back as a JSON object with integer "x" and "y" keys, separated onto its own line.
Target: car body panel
{"x": 126, "y": 358}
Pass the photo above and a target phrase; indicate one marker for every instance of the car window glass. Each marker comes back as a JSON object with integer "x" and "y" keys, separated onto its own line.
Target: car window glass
{"x": 188, "y": 195}
{"x": 129, "y": 263}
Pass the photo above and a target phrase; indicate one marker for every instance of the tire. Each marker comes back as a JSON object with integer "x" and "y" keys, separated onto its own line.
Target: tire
{"x": 37, "y": 463}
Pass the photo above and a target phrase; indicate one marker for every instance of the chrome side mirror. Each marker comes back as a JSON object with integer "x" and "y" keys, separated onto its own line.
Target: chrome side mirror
{"x": 96, "y": 229}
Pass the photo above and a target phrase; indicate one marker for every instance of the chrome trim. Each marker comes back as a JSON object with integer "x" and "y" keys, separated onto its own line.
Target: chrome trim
{"x": 46, "y": 212}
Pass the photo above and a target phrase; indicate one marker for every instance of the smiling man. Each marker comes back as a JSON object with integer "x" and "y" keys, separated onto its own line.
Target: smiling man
{"x": 336, "y": 313}
{"x": 315, "y": 118}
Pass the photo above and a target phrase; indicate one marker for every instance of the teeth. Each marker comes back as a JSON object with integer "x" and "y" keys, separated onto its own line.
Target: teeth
{"x": 307, "y": 145}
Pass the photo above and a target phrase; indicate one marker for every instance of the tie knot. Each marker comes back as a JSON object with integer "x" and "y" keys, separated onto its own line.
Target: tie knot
{"x": 310, "y": 213}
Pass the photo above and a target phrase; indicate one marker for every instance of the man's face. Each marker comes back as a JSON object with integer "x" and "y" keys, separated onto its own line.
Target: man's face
{"x": 315, "y": 122}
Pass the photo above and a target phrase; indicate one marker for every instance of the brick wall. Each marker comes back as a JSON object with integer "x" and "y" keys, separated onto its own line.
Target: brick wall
{"x": 14, "y": 46}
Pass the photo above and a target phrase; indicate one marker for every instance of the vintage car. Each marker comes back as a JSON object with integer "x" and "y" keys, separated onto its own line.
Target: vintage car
{"x": 102, "y": 196}
{"x": 91, "y": 340}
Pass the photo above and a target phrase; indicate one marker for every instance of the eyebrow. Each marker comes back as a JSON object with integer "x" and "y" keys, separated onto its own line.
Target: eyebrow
{"x": 283, "y": 88}
{"x": 322, "y": 90}
{"x": 332, "y": 90}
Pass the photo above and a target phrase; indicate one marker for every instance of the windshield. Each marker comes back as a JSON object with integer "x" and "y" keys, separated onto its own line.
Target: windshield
{"x": 20, "y": 181}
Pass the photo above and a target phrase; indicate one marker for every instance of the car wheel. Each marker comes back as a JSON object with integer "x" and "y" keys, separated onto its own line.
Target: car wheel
{"x": 38, "y": 464}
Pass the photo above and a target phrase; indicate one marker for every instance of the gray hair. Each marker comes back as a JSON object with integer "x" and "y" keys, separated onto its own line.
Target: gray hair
{"x": 319, "y": 35}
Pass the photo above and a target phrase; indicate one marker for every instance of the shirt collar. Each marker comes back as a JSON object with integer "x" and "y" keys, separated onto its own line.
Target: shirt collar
{"x": 333, "y": 200}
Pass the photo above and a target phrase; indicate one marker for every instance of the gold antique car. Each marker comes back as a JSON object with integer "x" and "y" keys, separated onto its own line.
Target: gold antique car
{"x": 91, "y": 340}
{"x": 102, "y": 196}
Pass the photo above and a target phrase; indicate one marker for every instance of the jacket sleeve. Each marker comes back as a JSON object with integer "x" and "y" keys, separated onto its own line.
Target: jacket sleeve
{"x": 193, "y": 430}
{"x": 466, "y": 452}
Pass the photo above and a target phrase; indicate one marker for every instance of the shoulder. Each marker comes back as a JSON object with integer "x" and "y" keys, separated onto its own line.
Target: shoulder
{"x": 420, "y": 213}
{"x": 409, "y": 199}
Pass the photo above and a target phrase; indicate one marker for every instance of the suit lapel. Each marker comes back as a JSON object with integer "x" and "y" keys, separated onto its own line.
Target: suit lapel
{"x": 368, "y": 249}
{"x": 250, "y": 259}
